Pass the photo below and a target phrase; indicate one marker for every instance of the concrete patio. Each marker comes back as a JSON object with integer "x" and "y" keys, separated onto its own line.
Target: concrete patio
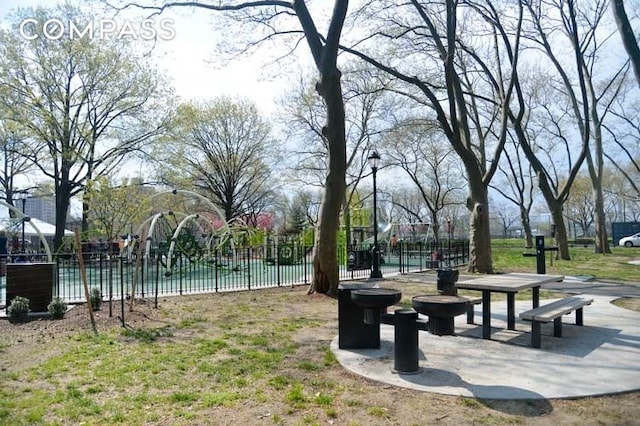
{"x": 602, "y": 357}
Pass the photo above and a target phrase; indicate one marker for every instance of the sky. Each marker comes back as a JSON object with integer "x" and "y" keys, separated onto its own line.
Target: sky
{"x": 188, "y": 58}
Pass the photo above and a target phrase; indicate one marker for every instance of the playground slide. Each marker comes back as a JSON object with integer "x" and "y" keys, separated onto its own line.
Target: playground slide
{"x": 384, "y": 235}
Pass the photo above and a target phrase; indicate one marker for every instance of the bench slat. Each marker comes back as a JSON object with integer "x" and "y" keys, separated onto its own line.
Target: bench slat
{"x": 550, "y": 311}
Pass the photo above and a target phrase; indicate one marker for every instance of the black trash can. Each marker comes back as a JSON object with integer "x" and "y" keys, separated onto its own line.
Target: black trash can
{"x": 446, "y": 283}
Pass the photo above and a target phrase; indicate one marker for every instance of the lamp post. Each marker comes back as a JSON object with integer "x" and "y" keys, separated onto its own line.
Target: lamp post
{"x": 24, "y": 202}
{"x": 374, "y": 159}
{"x": 23, "y": 197}
{"x": 450, "y": 234}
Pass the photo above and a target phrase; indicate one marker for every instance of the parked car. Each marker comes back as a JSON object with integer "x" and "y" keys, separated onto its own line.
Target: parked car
{"x": 630, "y": 241}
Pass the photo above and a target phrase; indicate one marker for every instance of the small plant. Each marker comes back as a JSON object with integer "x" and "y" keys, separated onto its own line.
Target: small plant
{"x": 57, "y": 308}
{"x": 95, "y": 297}
{"x": 18, "y": 309}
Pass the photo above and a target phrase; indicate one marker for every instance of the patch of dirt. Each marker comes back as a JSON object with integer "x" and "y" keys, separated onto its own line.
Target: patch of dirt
{"x": 359, "y": 401}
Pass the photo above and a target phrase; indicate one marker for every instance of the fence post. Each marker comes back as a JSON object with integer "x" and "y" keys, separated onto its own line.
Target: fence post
{"x": 278, "y": 264}
{"x": 305, "y": 272}
{"x": 122, "y": 292}
{"x": 247, "y": 254}
{"x": 157, "y": 280}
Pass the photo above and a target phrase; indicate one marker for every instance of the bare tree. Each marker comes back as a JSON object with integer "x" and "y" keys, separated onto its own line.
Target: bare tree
{"x": 506, "y": 216}
{"x": 579, "y": 22}
{"x": 408, "y": 205}
{"x": 624, "y": 150}
{"x": 365, "y": 109}
{"x": 417, "y": 149}
{"x": 442, "y": 75}
{"x": 517, "y": 186}
{"x": 626, "y": 34}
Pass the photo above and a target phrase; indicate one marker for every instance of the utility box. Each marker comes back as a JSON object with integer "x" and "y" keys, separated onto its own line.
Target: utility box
{"x": 623, "y": 229}
{"x": 358, "y": 260}
{"x": 35, "y": 281}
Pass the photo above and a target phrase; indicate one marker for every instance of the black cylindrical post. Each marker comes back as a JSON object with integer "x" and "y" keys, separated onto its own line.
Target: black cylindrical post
{"x": 406, "y": 341}
{"x": 374, "y": 159}
{"x": 540, "y": 266}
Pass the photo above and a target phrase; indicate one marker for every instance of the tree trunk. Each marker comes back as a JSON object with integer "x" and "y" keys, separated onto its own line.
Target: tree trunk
{"x": 435, "y": 227}
{"x": 479, "y": 232}
{"x": 602, "y": 238}
{"x": 526, "y": 225}
{"x": 325, "y": 257}
{"x": 561, "y": 230}
{"x": 85, "y": 216}
{"x": 595, "y": 165}
{"x": 627, "y": 35}
{"x": 63, "y": 195}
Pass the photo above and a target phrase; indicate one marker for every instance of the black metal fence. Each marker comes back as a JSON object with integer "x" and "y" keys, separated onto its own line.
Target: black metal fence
{"x": 149, "y": 276}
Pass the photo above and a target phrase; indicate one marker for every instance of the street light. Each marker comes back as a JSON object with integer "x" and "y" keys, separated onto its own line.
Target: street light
{"x": 374, "y": 160}
{"x": 23, "y": 196}
{"x": 450, "y": 232}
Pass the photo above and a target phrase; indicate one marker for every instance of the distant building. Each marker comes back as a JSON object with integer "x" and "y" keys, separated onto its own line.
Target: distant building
{"x": 43, "y": 208}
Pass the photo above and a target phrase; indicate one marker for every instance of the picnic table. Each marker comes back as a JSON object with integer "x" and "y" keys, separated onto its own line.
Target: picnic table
{"x": 510, "y": 284}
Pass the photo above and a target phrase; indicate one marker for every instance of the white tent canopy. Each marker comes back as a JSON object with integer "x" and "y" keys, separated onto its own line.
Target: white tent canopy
{"x": 45, "y": 228}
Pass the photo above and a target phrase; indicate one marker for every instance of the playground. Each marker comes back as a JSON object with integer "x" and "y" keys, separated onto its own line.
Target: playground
{"x": 190, "y": 248}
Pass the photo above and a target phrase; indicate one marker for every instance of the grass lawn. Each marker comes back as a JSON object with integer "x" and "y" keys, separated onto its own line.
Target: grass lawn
{"x": 507, "y": 257}
{"x": 252, "y": 357}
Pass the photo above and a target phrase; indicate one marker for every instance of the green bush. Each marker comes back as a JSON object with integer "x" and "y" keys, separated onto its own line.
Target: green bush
{"x": 18, "y": 309}
{"x": 95, "y": 296}
{"x": 57, "y": 308}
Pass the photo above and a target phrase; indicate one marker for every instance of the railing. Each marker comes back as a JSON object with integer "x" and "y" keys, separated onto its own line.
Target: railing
{"x": 243, "y": 269}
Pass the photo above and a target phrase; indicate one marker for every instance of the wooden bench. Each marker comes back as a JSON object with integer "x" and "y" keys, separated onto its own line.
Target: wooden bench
{"x": 553, "y": 312}
{"x": 470, "y": 313}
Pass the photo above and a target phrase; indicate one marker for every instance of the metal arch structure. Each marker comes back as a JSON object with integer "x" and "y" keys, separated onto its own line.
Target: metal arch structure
{"x": 190, "y": 218}
{"x": 153, "y": 221}
{"x": 23, "y": 216}
{"x": 213, "y": 207}
{"x": 196, "y": 218}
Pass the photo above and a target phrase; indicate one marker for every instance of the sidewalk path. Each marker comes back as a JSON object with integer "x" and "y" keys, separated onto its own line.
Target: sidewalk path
{"x": 603, "y": 357}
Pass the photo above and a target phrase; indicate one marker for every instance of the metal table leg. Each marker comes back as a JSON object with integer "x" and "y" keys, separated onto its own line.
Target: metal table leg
{"x": 486, "y": 314}
{"x": 511, "y": 311}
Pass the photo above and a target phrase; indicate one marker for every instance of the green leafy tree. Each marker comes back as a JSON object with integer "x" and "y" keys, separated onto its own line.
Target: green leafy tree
{"x": 13, "y": 144}
{"x": 223, "y": 149}
{"x": 579, "y": 207}
{"x": 88, "y": 104}
{"x": 115, "y": 206}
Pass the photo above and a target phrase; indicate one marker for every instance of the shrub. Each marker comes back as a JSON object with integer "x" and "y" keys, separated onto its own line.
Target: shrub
{"x": 18, "y": 309}
{"x": 95, "y": 297}
{"x": 57, "y": 308}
